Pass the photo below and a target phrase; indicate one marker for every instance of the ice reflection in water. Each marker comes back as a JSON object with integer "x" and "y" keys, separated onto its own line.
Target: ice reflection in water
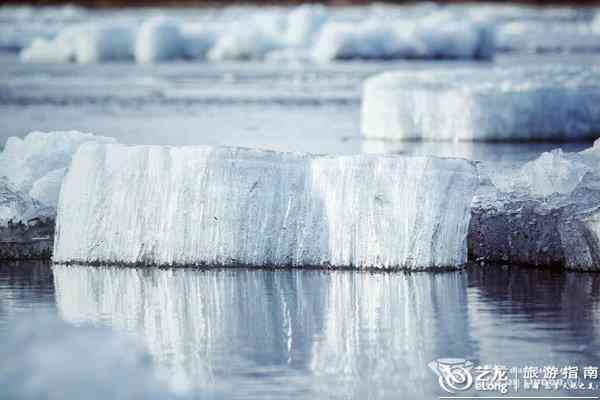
{"x": 249, "y": 333}
{"x": 346, "y": 333}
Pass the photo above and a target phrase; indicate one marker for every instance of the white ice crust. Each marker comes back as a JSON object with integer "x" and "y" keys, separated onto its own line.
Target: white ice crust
{"x": 223, "y": 206}
{"x": 529, "y": 103}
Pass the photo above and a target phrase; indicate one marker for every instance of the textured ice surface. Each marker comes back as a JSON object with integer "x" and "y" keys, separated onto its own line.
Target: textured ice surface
{"x": 36, "y": 163}
{"x": 545, "y": 213}
{"x": 222, "y": 206}
{"x": 528, "y": 103}
{"x": 18, "y": 207}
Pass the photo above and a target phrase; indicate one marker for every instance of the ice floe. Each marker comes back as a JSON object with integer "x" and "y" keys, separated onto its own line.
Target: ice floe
{"x": 522, "y": 103}
{"x": 229, "y": 206}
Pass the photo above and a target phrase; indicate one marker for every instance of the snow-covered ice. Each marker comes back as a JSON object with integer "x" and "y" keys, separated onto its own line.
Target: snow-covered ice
{"x": 518, "y": 103}
{"x": 35, "y": 165}
{"x": 544, "y": 213}
{"x": 223, "y": 206}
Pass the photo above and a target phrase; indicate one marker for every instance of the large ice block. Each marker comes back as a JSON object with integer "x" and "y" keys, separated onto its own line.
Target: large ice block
{"x": 545, "y": 213}
{"x": 530, "y": 103}
{"x": 230, "y": 206}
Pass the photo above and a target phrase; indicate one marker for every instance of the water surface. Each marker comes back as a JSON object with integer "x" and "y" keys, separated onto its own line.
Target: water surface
{"x": 243, "y": 333}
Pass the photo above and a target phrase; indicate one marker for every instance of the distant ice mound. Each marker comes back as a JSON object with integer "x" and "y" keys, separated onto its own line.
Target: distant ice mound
{"x": 434, "y": 37}
{"x": 36, "y": 164}
{"x": 227, "y": 206}
{"x": 545, "y": 213}
{"x": 158, "y": 39}
{"x": 319, "y": 32}
{"x": 531, "y": 103}
{"x": 83, "y": 43}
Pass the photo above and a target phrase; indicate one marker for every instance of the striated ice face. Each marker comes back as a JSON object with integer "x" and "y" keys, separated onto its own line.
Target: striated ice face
{"x": 528, "y": 103}
{"x": 223, "y": 206}
{"x": 545, "y": 213}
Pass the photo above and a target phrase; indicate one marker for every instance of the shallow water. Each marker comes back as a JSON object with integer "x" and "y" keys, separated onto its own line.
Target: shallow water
{"x": 281, "y": 334}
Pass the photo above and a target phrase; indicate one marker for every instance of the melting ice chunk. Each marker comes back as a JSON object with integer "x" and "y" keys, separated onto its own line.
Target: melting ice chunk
{"x": 546, "y": 213}
{"x": 529, "y": 103}
{"x": 18, "y": 207}
{"x": 221, "y": 206}
{"x": 36, "y": 164}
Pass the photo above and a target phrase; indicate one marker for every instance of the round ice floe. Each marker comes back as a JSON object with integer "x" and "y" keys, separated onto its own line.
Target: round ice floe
{"x": 159, "y": 39}
{"x": 500, "y": 104}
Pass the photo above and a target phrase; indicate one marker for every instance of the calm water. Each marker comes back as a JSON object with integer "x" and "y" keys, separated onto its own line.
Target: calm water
{"x": 315, "y": 334}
